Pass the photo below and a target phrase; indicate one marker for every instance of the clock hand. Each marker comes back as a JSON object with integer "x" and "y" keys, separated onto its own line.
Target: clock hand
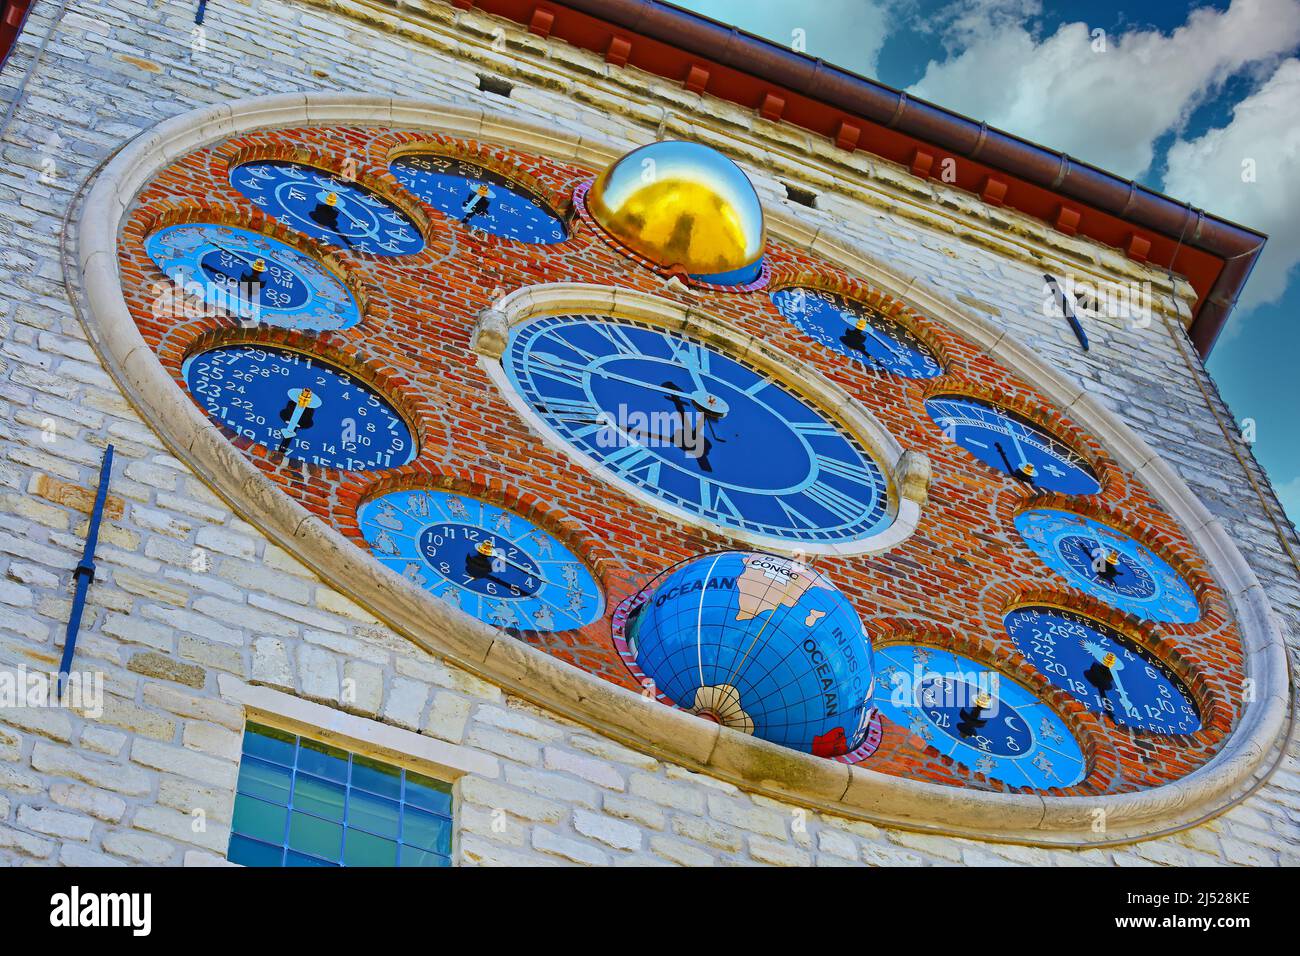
{"x": 559, "y": 366}
{"x": 1020, "y": 452}
{"x": 1023, "y": 473}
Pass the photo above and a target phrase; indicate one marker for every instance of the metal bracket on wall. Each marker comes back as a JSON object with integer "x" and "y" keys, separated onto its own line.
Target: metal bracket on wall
{"x": 1067, "y": 309}
{"x": 85, "y": 572}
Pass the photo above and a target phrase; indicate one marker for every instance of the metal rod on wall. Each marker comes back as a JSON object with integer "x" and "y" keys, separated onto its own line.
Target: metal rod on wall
{"x": 85, "y": 572}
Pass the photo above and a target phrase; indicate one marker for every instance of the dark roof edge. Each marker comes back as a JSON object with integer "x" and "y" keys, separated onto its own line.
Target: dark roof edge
{"x": 1237, "y": 246}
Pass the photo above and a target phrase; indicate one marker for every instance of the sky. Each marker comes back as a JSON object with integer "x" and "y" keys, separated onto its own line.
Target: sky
{"x": 1177, "y": 97}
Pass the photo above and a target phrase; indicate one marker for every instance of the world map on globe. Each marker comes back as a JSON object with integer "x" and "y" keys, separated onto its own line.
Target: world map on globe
{"x": 760, "y": 643}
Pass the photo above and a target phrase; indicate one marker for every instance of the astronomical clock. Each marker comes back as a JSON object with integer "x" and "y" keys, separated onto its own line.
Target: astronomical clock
{"x": 610, "y": 413}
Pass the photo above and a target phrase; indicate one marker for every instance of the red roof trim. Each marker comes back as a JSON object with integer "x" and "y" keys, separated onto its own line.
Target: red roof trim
{"x": 1215, "y": 255}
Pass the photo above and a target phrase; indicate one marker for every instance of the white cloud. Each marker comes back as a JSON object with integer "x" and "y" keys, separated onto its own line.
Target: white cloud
{"x": 848, "y": 33}
{"x": 1107, "y": 108}
{"x": 1207, "y": 172}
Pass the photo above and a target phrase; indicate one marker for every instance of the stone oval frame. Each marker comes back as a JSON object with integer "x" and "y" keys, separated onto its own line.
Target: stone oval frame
{"x": 905, "y": 472}
{"x": 755, "y": 765}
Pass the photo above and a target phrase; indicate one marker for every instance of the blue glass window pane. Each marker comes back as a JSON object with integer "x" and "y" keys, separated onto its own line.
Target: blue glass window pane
{"x": 426, "y": 831}
{"x": 428, "y": 794}
{"x": 362, "y": 849}
{"x": 271, "y": 782}
{"x": 301, "y": 859}
{"x": 322, "y": 760}
{"x": 248, "y": 852}
{"x": 317, "y": 837}
{"x": 414, "y": 856}
{"x": 270, "y": 744}
{"x": 259, "y": 819}
{"x": 381, "y": 778}
{"x": 374, "y": 814}
{"x": 319, "y": 797}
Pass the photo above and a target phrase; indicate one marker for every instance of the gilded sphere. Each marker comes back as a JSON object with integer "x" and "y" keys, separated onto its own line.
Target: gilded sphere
{"x": 683, "y": 206}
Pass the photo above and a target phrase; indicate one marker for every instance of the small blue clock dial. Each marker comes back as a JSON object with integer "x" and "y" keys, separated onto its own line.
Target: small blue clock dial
{"x": 327, "y": 208}
{"x": 1109, "y": 565}
{"x": 700, "y": 431}
{"x": 977, "y": 716}
{"x": 1007, "y": 443}
{"x": 293, "y": 404}
{"x": 490, "y": 562}
{"x": 479, "y": 197}
{"x": 857, "y": 331}
{"x": 1106, "y": 671}
{"x": 254, "y": 277}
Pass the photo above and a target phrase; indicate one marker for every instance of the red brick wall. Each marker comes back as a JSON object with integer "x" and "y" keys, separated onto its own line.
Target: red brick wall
{"x": 949, "y": 584}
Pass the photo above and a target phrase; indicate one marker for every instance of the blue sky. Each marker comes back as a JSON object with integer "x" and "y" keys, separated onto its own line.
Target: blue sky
{"x": 1180, "y": 95}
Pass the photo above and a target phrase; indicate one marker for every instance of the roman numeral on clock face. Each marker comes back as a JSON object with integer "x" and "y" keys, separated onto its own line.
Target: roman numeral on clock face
{"x": 834, "y": 501}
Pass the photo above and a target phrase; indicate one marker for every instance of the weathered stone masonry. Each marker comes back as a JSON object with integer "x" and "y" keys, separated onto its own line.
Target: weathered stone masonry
{"x": 192, "y": 602}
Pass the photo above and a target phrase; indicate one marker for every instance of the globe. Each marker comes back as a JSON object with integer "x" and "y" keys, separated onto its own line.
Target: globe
{"x": 760, "y": 643}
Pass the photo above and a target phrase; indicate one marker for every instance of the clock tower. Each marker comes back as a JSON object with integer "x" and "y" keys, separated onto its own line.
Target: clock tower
{"x": 578, "y": 445}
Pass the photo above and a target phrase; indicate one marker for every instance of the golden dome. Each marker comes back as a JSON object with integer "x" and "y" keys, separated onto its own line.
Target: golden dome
{"x": 683, "y": 206}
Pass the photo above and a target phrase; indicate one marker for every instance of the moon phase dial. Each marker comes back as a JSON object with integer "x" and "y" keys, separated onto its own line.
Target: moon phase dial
{"x": 978, "y": 716}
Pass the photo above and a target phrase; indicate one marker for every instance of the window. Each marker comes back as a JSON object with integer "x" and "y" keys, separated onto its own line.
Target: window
{"x": 300, "y": 802}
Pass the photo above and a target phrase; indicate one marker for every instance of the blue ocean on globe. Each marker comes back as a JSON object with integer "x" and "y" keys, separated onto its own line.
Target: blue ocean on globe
{"x": 762, "y": 644}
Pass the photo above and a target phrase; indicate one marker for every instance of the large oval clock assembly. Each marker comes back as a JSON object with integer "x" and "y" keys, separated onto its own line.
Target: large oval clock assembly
{"x": 700, "y": 431}
{"x": 296, "y": 405}
{"x": 1109, "y": 565}
{"x": 490, "y": 562}
{"x": 327, "y": 208}
{"x": 479, "y": 197}
{"x": 857, "y": 331}
{"x": 1006, "y": 442}
{"x": 254, "y": 277}
{"x": 1109, "y": 673}
{"x": 976, "y": 715}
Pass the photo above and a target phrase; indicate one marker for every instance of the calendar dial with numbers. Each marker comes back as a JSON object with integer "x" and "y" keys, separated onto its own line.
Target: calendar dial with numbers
{"x": 1109, "y": 673}
{"x": 479, "y": 198}
{"x": 294, "y": 404}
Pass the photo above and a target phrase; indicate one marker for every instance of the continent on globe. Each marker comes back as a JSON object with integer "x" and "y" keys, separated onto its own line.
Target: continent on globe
{"x": 769, "y": 582}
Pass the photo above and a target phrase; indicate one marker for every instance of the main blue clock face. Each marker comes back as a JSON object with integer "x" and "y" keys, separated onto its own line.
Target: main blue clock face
{"x": 1013, "y": 446}
{"x": 488, "y": 561}
{"x": 295, "y": 405}
{"x": 1109, "y": 565}
{"x": 1105, "y": 670}
{"x": 327, "y": 208}
{"x": 254, "y": 277}
{"x": 702, "y": 432}
{"x": 856, "y": 330}
{"x": 977, "y": 716}
{"x": 479, "y": 197}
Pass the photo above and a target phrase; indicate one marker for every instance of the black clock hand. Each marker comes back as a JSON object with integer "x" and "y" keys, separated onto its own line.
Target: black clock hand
{"x": 1017, "y": 473}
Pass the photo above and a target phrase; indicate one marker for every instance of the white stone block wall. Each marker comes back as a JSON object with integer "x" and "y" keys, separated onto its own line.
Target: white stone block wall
{"x": 192, "y": 603}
